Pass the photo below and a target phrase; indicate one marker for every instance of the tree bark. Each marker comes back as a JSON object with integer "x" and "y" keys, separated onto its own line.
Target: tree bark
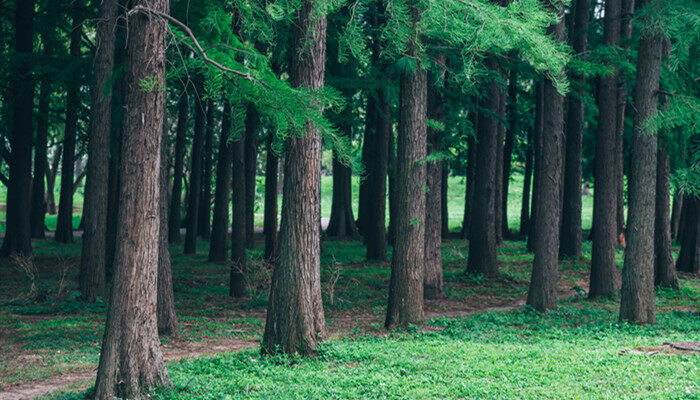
{"x": 537, "y": 152}
{"x": 482, "y": 236}
{"x": 64, "y": 224}
{"x": 445, "y": 226}
{"x": 604, "y": 274}
{"x": 252, "y": 125}
{"x": 131, "y": 361}
{"x": 542, "y": 293}
{"x": 218, "y": 243}
{"x": 508, "y": 147}
{"x": 174, "y": 220}
{"x": 689, "y": 256}
{"x": 676, "y": 213}
{"x": 51, "y": 173}
{"x": 295, "y": 320}
{"x": 571, "y": 234}
{"x": 498, "y": 179}
{"x": 368, "y": 152}
{"x": 433, "y": 287}
{"x": 525, "y": 204}
{"x": 637, "y": 301}
{"x": 342, "y": 222}
{"x": 237, "y": 283}
{"x": 204, "y": 223}
{"x": 472, "y": 154}
{"x": 270, "y": 223}
{"x": 93, "y": 260}
{"x": 18, "y": 233}
{"x": 192, "y": 217}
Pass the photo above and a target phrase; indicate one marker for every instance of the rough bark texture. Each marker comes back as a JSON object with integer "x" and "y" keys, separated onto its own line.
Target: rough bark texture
{"x": 482, "y": 236}
{"x": 165, "y": 299}
{"x": 571, "y": 235}
{"x": 295, "y": 320}
{"x": 93, "y": 260}
{"x": 604, "y": 275}
{"x": 131, "y": 362}
{"x": 405, "y": 305}
{"x": 432, "y": 276}
{"x": 342, "y": 222}
{"x": 204, "y": 223}
{"x": 39, "y": 194}
{"x": 218, "y": 243}
{"x": 238, "y": 220}
{"x": 637, "y": 301}
{"x": 527, "y": 181}
{"x": 508, "y": 147}
{"x": 17, "y": 232}
{"x": 689, "y": 256}
{"x": 537, "y": 151}
{"x": 252, "y": 125}
{"x": 270, "y": 222}
{"x": 64, "y": 223}
{"x": 174, "y": 219}
{"x": 542, "y": 293}
{"x": 193, "y": 196}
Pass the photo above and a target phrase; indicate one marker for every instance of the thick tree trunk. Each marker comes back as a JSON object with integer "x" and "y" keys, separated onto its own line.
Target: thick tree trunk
{"x": 527, "y": 180}
{"x": 637, "y": 301}
{"x": 218, "y": 243}
{"x": 342, "y": 222}
{"x": 192, "y": 217}
{"x": 542, "y": 293}
{"x": 270, "y": 222}
{"x": 482, "y": 236}
{"x": 689, "y": 256}
{"x": 433, "y": 287}
{"x": 17, "y": 232}
{"x": 537, "y": 152}
{"x": 93, "y": 260}
{"x": 295, "y": 320}
{"x": 252, "y": 125}
{"x": 174, "y": 220}
{"x": 204, "y": 223}
{"x": 604, "y": 274}
{"x": 508, "y": 147}
{"x": 64, "y": 224}
{"x": 571, "y": 235}
{"x": 472, "y": 152}
{"x": 131, "y": 361}
{"x": 165, "y": 299}
{"x": 237, "y": 282}
{"x": 406, "y": 287}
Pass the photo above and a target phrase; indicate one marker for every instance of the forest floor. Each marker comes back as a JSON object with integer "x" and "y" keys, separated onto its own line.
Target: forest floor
{"x": 479, "y": 342}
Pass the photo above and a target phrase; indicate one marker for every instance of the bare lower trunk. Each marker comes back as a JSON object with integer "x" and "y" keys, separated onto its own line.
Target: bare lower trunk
{"x": 174, "y": 220}
{"x": 270, "y": 223}
{"x": 676, "y": 213}
{"x": 252, "y": 126}
{"x": 38, "y": 199}
{"x": 445, "y": 228}
{"x": 204, "y": 223}
{"x": 664, "y": 268}
{"x": 218, "y": 244}
{"x": 237, "y": 273}
{"x": 342, "y": 222}
{"x": 537, "y": 152}
{"x": 689, "y": 256}
{"x": 525, "y": 204}
{"x": 131, "y": 362}
{"x": 498, "y": 179}
{"x": 471, "y": 171}
{"x": 192, "y": 217}
{"x": 295, "y": 320}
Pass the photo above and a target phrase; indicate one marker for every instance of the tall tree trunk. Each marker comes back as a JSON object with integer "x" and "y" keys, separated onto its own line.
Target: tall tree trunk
{"x": 472, "y": 153}
{"x": 51, "y": 173}
{"x": 131, "y": 361}
{"x": 676, "y": 212}
{"x": 498, "y": 179}
{"x": 270, "y": 222}
{"x": 237, "y": 283}
{"x": 433, "y": 287}
{"x": 64, "y": 224}
{"x": 174, "y": 220}
{"x": 537, "y": 152}
{"x": 368, "y": 152}
{"x": 571, "y": 235}
{"x": 38, "y": 199}
{"x": 689, "y": 256}
{"x": 295, "y": 320}
{"x": 508, "y": 147}
{"x": 252, "y": 125}
{"x": 542, "y": 293}
{"x": 604, "y": 275}
{"x": 165, "y": 299}
{"x": 637, "y": 301}
{"x": 192, "y": 217}
{"x": 204, "y": 223}
{"x": 525, "y": 204}
{"x": 218, "y": 243}
{"x": 17, "y": 232}
{"x": 445, "y": 226}
{"x": 93, "y": 260}
{"x": 664, "y": 268}
{"x": 482, "y": 235}
{"x": 391, "y": 232}
{"x": 342, "y": 222}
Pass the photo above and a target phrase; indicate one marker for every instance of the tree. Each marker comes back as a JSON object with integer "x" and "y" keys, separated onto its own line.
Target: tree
{"x": 604, "y": 280}
{"x": 17, "y": 232}
{"x": 238, "y": 215}
{"x": 511, "y": 113}
{"x": 432, "y": 277}
{"x": 131, "y": 361}
{"x": 542, "y": 293}
{"x": 93, "y": 260}
{"x": 174, "y": 220}
{"x": 64, "y": 224}
{"x": 204, "y": 223}
{"x": 218, "y": 243}
{"x": 637, "y": 301}
{"x": 471, "y": 171}
{"x": 689, "y": 256}
{"x": 527, "y": 180}
{"x": 270, "y": 218}
{"x": 405, "y": 305}
{"x": 537, "y": 153}
{"x": 571, "y": 235}
{"x": 192, "y": 217}
{"x": 252, "y": 125}
{"x": 342, "y": 222}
